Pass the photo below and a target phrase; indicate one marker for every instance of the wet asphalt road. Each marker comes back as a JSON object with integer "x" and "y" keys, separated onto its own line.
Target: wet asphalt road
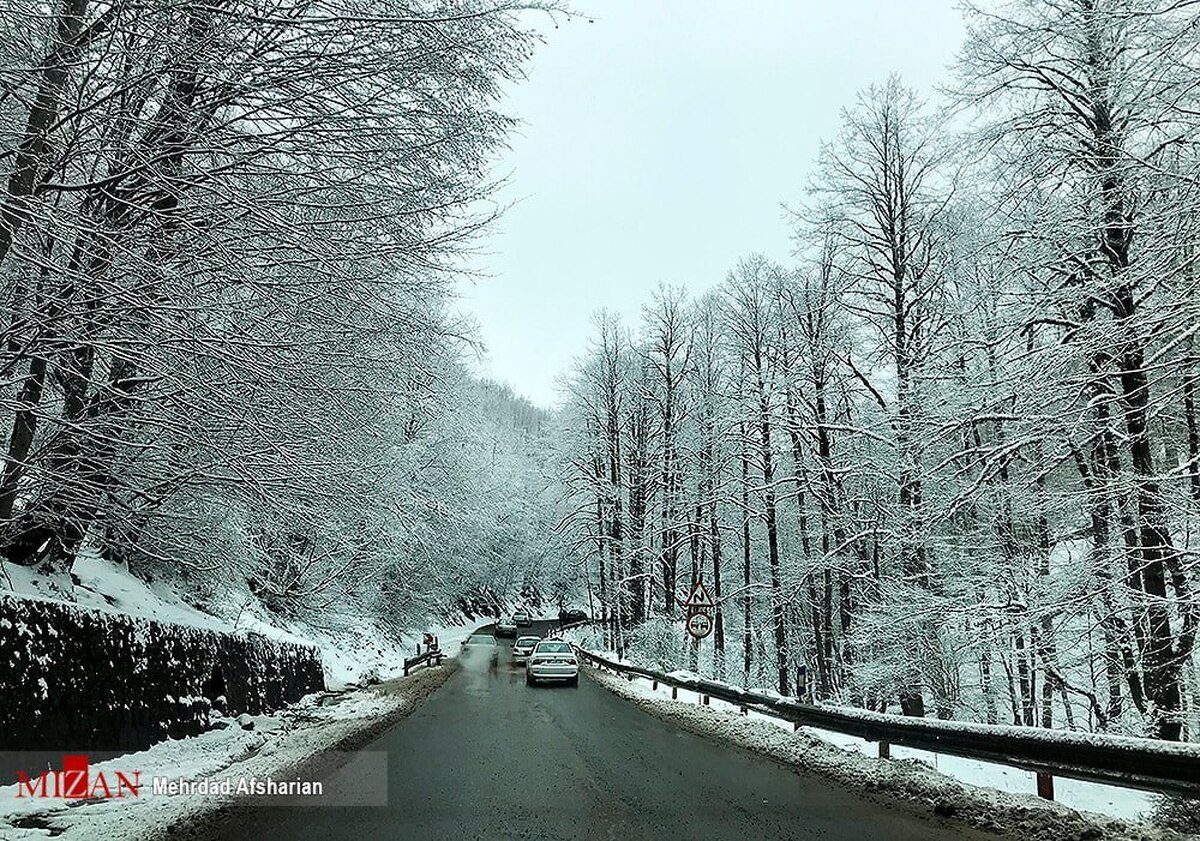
{"x": 487, "y": 757}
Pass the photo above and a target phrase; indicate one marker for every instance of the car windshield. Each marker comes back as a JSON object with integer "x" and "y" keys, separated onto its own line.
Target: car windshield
{"x": 526, "y": 642}
{"x": 553, "y": 648}
{"x": 480, "y": 639}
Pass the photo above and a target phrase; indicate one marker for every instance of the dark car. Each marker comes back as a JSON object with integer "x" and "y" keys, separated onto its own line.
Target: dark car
{"x": 567, "y": 617}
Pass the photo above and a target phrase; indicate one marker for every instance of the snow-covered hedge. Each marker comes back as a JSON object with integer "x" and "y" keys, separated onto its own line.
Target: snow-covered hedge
{"x": 79, "y": 679}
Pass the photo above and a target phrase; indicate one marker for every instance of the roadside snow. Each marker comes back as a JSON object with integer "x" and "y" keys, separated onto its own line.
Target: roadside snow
{"x": 108, "y": 587}
{"x": 275, "y": 744}
{"x": 989, "y": 785}
{"x": 906, "y": 778}
{"x": 1126, "y": 803}
{"x": 350, "y": 649}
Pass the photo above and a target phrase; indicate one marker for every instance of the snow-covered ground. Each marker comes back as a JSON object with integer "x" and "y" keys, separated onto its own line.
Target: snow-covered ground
{"x": 991, "y": 801}
{"x": 353, "y": 652}
{"x": 351, "y": 649}
{"x": 1127, "y": 804}
{"x": 271, "y": 749}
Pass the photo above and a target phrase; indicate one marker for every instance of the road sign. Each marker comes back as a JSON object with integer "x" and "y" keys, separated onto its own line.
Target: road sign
{"x": 699, "y": 625}
{"x": 699, "y": 599}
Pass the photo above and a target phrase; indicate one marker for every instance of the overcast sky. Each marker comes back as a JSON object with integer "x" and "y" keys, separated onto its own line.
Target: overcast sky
{"x": 658, "y": 144}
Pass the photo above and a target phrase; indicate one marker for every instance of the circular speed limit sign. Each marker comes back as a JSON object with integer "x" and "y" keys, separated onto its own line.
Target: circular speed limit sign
{"x": 699, "y": 625}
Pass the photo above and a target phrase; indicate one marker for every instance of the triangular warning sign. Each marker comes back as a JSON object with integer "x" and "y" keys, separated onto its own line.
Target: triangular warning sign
{"x": 699, "y": 597}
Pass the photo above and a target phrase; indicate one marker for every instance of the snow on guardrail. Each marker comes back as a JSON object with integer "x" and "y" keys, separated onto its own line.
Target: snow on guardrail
{"x": 1128, "y": 761}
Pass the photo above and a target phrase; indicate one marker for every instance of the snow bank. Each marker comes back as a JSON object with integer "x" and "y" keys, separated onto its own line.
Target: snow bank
{"x": 274, "y": 748}
{"x": 929, "y": 783}
{"x": 351, "y": 648}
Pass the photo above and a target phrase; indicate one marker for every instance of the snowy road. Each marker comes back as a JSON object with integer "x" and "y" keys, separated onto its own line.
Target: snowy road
{"x": 489, "y": 758}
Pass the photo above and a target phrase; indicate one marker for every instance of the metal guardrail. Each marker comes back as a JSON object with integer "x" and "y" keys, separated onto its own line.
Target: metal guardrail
{"x": 556, "y": 632}
{"x": 432, "y": 656}
{"x": 1169, "y": 767}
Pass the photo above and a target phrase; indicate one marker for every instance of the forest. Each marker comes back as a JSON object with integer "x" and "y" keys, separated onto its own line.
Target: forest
{"x": 946, "y": 460}
{"x": 230, "y": 235}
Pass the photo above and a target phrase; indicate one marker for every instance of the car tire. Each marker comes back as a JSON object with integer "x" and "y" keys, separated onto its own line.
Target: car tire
{"x": 528, "y": 679}
{"x": 573, "y": 681}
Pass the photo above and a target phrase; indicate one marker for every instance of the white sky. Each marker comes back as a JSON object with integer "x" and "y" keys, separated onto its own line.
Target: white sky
{"x": 658, "y": 144}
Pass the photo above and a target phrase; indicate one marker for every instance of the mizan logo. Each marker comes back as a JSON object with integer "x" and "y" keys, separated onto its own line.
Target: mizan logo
{"x": 74, "y": 782}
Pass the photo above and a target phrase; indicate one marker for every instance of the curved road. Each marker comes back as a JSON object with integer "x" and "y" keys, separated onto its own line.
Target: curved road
{"x": 488, "y": 758}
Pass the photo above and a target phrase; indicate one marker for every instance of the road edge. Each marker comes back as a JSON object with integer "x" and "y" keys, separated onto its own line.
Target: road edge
{"x": 908, "y": 785}
{"x": 209, "y": 823}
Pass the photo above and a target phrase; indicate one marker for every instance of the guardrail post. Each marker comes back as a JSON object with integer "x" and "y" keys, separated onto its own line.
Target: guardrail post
{"x": 1130, "y": 764}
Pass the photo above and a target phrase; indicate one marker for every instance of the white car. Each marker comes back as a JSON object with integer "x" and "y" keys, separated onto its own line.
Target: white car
{"x": 522, "y": 619}
{"x": 480, "y": 648}
{"x": 506, "y": 628}
{"x": 552, "y": 660}
{"x": 523, "y": 647}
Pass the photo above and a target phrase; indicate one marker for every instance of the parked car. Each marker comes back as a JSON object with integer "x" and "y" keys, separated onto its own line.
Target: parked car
{"x": 567, "y": 617}
{"x": 479, "y": 647}
{"x": 523, "y": 647}
{"x": 522, "y": 619}
{"x": 506, "y": 628}
{"x": 552, "y": 660}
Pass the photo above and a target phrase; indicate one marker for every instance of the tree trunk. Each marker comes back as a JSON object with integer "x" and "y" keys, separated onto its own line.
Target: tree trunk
{"x": 719, "y": 624}
{"x": 43, "y": 115}
{"x": 601, "y": 553}
{"x": 1024, "y": 676}
{"x": 768, "y": 470}
{"x": 637, "y": 515}
{"x": 1193, "y": 426}
{"x": 747, "y": 602}
{"x": 985, "y": 673}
